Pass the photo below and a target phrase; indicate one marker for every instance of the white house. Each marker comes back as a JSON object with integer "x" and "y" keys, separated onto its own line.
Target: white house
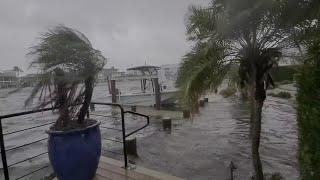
{"x": 8, "y": 78}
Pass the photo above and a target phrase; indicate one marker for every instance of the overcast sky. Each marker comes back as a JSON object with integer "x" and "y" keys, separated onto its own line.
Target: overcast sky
{"x": 128, "y": 32}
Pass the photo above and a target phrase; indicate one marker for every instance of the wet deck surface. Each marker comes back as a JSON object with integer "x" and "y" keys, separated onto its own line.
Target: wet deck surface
{"x": 112, "y": 169}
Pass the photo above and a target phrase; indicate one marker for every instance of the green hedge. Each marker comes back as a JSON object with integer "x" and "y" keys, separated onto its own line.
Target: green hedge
{"x": 284, "y": 73}
{"x": 308, "y": 99}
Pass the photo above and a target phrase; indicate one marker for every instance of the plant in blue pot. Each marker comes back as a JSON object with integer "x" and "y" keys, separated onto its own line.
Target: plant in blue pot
{"x": 68, "y": 66}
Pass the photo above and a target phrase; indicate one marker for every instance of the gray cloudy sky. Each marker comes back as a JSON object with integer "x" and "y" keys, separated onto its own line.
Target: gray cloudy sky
{"x": 128, "y": 32}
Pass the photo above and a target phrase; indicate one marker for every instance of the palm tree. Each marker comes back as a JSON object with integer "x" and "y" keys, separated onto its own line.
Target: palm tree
{"x": 17, "y": 69}
{"x": 68, "y": 67}
{"x": 232, "y": 33}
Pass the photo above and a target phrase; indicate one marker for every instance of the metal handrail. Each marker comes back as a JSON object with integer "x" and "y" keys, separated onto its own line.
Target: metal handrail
{"x": 4, "y": 150}
{"x": 124, "y": 135}
{"x": 21, "y": 130}
{"x": 27, "y": 144}
{"x": 144, "y": 126}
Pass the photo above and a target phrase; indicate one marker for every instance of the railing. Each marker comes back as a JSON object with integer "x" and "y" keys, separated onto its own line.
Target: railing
{"x": 4, "y": 150}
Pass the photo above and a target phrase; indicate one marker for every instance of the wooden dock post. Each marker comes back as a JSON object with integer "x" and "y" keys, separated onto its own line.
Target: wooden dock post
{"x": 232, "y": 168}
{"x": 134, "y": 108}
{"x": 157, "y": 93}
{"x": 186, "y": 114}
{"x": 166, "y": 123}
{"x": 196, "y": 109}
{"x": 92, "y": 107}
{"x": 131, "y": 146}
{"x": 201, "y": 103}
{"x": 113, "y": 91}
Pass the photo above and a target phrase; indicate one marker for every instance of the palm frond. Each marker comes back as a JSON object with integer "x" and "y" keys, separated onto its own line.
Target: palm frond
{"x": 201, "y": 71}
{"x": 241, "y": 36}
{"x": 66, "y": 60}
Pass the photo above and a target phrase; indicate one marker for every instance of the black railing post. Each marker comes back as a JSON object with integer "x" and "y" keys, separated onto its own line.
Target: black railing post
{"x": 3, "y": 154}
{"x": 124, "y": 138}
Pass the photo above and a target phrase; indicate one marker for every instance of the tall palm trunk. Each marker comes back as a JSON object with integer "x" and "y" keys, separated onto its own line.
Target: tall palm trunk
{"x": 62, "y": 100}
{"x": 255, "y": 139}
{"x": 64, "y": 117}
{"x": 87, "y": 99}
{"x": 258, "y": 95}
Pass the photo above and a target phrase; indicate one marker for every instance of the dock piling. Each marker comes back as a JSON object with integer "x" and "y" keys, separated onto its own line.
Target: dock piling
{"x": 134, "y": 108}
{"x": 113, "y": 91}
{"x": 92, "y": 107}
{"x": 186, "y": 114}
{"x": 201, "y": 103}
{"x": 166, "y": 123}
{"x": 157, "y": 93}
{"x": 131, "y": 144}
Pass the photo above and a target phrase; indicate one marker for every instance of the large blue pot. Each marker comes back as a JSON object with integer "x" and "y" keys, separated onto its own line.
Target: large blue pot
{"x": 75, "y": 154}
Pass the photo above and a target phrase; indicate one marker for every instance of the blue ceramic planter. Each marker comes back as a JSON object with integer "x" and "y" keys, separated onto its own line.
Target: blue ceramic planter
{"x": 75, "y": 154}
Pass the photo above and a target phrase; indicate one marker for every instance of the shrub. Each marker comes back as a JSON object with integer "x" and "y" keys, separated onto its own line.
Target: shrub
{"x": 283, "y": 73}
{"x": 276, "y": 176}
{"x": 282, "y": 94}
{"x": 284, "y": 82}
{"x": 308, "y": 117}
{"x": 228, "y": 92}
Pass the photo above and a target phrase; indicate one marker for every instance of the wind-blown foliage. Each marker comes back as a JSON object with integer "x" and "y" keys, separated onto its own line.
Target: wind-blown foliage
{"x": 308, "y": 114}
{"x": 302, "y": 19}
{"x": 68, "y": 67}
{"x": 232, "y": 33}
{"x": 201, "y": 71}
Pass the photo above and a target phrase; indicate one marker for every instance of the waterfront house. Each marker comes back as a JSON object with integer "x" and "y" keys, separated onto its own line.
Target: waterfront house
{"x": 8, "y": 79}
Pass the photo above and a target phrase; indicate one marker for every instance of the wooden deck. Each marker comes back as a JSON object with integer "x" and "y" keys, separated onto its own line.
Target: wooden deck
{"x": 111, "y": 169}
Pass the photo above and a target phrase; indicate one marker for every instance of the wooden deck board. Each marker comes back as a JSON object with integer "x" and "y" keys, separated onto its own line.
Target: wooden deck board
{"x": 111, "y": 169}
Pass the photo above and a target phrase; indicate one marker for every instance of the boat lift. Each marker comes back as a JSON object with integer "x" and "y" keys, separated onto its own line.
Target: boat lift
{"x": 146, "y": 73}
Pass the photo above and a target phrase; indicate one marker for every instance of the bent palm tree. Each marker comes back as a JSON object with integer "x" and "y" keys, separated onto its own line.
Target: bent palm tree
{"x": 232, "y": 33}
{"x": 68, "y": 66}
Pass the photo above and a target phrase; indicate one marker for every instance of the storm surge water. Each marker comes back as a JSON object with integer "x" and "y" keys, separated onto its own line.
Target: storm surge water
{"x": 202, "y": 148}
{"x": 198, "y": 148}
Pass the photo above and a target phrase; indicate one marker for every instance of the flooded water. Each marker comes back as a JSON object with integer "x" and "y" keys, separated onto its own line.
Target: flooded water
{"x": 202, "y": 148}
{"x": 197, "y": 148}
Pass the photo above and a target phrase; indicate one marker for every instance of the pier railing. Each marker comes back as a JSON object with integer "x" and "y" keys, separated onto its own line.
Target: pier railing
{"x": 4, "y": 150}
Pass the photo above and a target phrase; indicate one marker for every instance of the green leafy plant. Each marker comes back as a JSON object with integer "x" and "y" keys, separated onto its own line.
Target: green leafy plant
{"x": 301, "y": 18}
{"x": 308, "y": 99}
{"x": 68, "y": 66}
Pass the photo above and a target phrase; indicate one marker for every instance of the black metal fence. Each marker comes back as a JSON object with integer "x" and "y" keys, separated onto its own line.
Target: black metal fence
{"x": 4, "y": 151}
